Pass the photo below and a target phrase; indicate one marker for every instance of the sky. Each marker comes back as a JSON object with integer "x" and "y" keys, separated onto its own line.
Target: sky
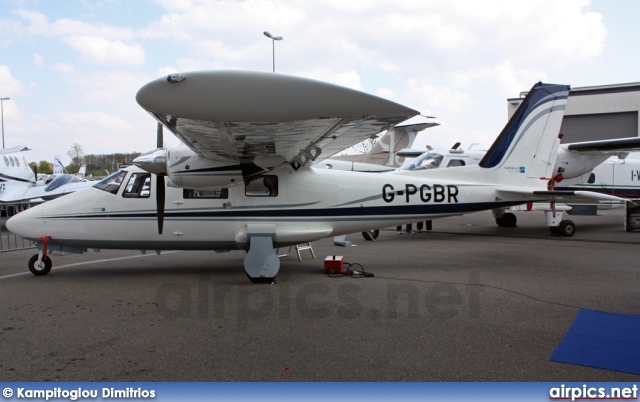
{"x": 72, "y": 68}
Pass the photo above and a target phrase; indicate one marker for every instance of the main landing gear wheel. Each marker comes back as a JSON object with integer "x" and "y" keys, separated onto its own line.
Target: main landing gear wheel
{"x": 565, "y": 229}
{"x": 271, "y": 280}
{"x": 371, "y": 235}
{"x": 508, "y": 220}
{"x": 38, "y": 267}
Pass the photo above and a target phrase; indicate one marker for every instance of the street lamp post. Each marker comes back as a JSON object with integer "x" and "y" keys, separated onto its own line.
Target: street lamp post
{"x": 273, "y": 46}
{"x": 2, "y": 113}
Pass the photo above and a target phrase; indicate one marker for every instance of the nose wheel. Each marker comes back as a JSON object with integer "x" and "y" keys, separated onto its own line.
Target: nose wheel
{"x": 40, "y": 264}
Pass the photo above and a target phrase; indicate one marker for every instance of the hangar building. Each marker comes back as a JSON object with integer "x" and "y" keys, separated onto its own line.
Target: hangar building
{"x": 597, "y": 112}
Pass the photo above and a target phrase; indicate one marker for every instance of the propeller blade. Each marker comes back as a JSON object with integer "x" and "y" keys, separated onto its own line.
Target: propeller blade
{"x": 160, "y": 202}
{"x": 159, "y": 135}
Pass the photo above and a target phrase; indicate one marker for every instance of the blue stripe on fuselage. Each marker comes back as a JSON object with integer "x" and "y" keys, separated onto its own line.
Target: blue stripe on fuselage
{"x": 333, "y": 213}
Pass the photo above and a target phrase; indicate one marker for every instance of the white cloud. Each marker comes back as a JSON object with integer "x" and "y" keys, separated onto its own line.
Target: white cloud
{"x": 349, "y": 79}
{"x": 9, "y": 85}
{"x": 385, "y": 93}
{"x": 100, "y": 50}
{"x": 437, "y": 100}
{"x": 97, "y": 43}
{"x": 63, "y": 68}
{"x": 38, "y": 24}
{"x": 441, "y": 58}
{"x": 175, "y": 5}
{"x": 412, "y": 38}
{"x": 38, "y": 60}
{"x": 505, "y": 77}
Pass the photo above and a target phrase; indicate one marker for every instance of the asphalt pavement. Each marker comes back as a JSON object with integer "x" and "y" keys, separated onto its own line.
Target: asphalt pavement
{"x": 468, "y": 302}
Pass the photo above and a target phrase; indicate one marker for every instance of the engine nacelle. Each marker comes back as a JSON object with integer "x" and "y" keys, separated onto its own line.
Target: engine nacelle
{"x": 185, "y": 169}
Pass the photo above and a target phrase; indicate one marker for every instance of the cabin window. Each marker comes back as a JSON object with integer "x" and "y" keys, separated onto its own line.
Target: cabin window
{"x": 6, "y": 161}
{"x": 17, "y": 161}
{"x": 592, "y": 178}
{"x": 112, "y": 183}
{"x": 195, "y": 193}
{"x": 262, "y": 186}
{"x": 13, "y": 164}
{"x": 456, "y": 162}
{"x": 139, "y": 186}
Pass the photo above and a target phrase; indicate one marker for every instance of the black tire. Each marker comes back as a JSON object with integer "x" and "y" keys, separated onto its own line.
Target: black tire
{"x": 500, "y": 222}
{"x": 567, "y": 228}
{"x": 371, "y": 235}
{"x": 509, "y": 220}
{"x": 262, "y": 279}
{"x": 555, "y": 230}
{"x": 42, "y": 268}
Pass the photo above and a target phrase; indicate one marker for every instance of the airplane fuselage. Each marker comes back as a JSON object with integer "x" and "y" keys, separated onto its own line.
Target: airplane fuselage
{"x": 614, "y": 177}
{"x": 306, "y": 206}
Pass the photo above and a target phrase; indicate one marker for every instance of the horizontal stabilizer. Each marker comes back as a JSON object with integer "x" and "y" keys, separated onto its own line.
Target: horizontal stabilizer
{"x": 566, "y": 196}
{"x": 19, "y": 148}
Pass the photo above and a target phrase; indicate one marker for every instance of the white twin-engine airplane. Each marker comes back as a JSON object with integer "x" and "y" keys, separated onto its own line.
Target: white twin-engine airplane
{"x": 245, "y": 181}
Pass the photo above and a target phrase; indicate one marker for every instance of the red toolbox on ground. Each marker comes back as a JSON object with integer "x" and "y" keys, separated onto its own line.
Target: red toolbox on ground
{"x": 334, "y": 264}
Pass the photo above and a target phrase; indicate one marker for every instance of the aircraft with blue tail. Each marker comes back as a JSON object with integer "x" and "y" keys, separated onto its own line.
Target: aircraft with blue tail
{"x": 245, "y": 177}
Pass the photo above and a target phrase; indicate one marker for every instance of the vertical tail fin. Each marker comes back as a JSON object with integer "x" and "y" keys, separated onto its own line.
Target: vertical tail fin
{"x": 526, "y": 149}
{"x": 397, "y": 138}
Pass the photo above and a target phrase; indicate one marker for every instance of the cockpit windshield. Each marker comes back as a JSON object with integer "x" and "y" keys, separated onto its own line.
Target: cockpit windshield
{"x": 428, "y": 160}
{"x": 61, "y": 181}
{"x": 112, "y": 183}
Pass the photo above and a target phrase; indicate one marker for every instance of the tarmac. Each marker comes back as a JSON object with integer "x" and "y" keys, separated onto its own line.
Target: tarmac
{"x": 468, "y": 302}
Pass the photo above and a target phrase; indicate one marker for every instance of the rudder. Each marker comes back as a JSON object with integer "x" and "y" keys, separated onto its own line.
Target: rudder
{"x": 534, "y": 126}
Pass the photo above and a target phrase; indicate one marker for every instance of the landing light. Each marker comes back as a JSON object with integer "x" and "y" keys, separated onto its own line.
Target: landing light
{"x": 173, "y": 78}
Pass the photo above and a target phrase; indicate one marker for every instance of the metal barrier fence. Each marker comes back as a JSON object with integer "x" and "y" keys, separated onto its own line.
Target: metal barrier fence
{"x": 8, "y": 240}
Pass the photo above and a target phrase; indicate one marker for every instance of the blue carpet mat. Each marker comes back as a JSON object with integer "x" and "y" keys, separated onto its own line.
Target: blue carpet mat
{"x": 602, "y": 340}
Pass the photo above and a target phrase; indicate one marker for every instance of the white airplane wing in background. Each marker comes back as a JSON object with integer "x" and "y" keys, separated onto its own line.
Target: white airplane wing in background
{"x": 60, "y": 186}
{"x": 611, "y": 147}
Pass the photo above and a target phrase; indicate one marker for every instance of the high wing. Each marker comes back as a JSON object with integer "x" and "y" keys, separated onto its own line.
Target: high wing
{"x": 265, "y": 119}
{"x": 612, "y": 147}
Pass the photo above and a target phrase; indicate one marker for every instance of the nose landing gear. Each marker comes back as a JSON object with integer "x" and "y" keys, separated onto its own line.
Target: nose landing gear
{"x": 40, "y": 264}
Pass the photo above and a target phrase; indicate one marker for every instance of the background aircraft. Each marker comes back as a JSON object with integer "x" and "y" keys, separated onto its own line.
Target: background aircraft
{"x": 384, "y": 155}
{"x": 575, "y": 163}
{"x": 18, "y": 182}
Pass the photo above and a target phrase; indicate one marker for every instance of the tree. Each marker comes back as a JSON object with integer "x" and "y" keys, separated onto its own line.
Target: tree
{"x": 44, "y": 167}
{"x": 76, "y": 153}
